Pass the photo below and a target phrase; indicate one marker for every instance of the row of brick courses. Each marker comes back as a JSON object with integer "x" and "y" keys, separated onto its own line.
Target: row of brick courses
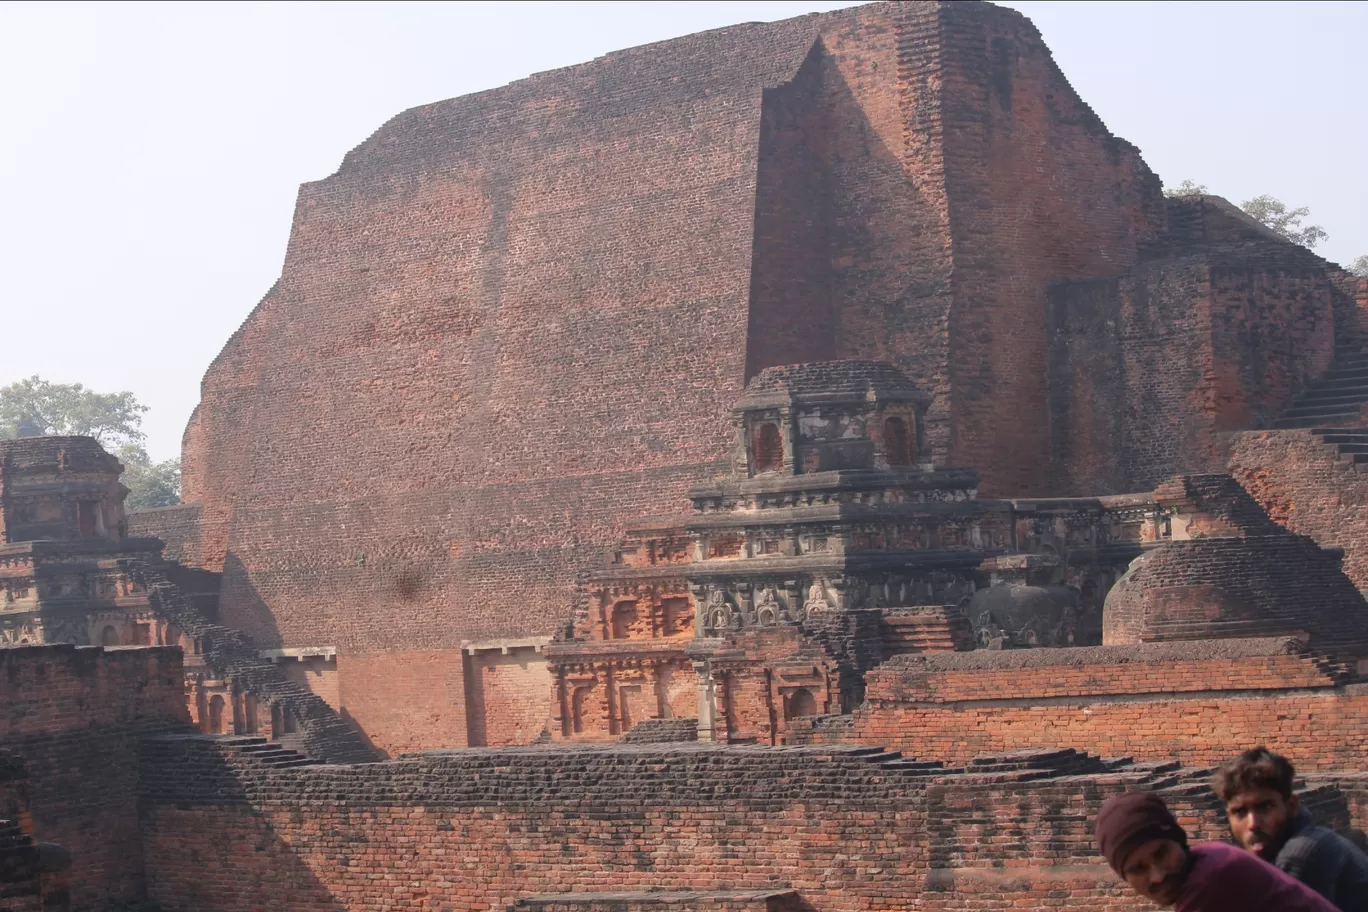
{"x": 1258, "y": 585}
{"x": 1305, "y": 486}
{"x": 1318, "y": 730}
{"x": 178, "y": 527}
{"x": 1199, "y": 702}
{"x": 1011, "y": 116}
{"x": 486, "y": 829}
{"x": 1097, "y": 671}
{"x": 1224, "y": 324}
{"x": 74, "y": 715}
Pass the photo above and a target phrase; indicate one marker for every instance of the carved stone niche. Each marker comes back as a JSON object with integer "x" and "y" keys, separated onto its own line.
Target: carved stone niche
{"x": 817, "y": 597}
{"x": 716, "y": 612}
{"x": 22, "y": 633}
{"x": 770, "y": 610}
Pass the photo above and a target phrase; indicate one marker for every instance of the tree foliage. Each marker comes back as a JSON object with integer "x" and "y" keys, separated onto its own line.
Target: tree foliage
{"x": 37, "y": 408}
{"x": 150, "y": 484}
{"x": 1188, "y": 188}
{"x": 1274, "y": 213}
{"x": 1287, "y": 222}
{"x": 1360, "y": 266}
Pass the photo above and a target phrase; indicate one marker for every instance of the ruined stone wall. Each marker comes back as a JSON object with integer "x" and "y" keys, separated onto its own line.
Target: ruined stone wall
{"x": 481, "y": 829}
{"x": 74, "y": 715}
{"x": 1257, "y": 586}
{"x": 1273, "y": 334}
{"x": 178, "y": 527}
{"x": 1196, "y": 702}
{"x": 1305, "y": 485}
{"x": 1127, "y": 357}
{"x": 1148, "y": 371}
{"x": 1011, "y": 119}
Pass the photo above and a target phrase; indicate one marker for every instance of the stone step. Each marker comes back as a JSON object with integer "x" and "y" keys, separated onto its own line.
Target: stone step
{"x": 1341, "y": 373}
{"x": 864, "y": 751}
{"x": 887, "y": 757}
{"x": 1306, "y": 422}
{"x": 1310, "y": 421}
{"x": 1322, "y": 394}
{"x": 1298, "y": 411}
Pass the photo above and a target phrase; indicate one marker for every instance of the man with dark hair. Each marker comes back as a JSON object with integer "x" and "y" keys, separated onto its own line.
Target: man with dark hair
{"x": 1143, "y": 843}
{"x": 1267, "y": 819}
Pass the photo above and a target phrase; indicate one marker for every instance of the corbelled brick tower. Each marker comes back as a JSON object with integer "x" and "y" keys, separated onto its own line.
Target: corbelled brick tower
{"x": 512, "y": 322}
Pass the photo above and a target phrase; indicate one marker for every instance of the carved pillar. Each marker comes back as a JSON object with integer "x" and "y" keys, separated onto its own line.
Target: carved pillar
{"x": 560, "y": 709}
{"x": 707, "y": 701}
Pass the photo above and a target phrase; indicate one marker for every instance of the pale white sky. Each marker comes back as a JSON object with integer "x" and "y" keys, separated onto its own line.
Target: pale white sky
{"x": 150, "y": 153}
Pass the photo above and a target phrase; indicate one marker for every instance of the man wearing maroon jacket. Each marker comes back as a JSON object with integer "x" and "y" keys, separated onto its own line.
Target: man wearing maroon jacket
{"x": 1144, "y": 844}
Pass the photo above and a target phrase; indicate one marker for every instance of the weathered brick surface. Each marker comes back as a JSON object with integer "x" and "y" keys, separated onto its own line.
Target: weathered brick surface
{"x": 478, "y": 830}
{"x": 1198, "y": 702}
{"x": 1219, "y": 328}
{"x": 1010, "y": 117}
{"x": 178, "y": 527}
{"x": 511, "y": 695}
{"x": 74, "y": 715}
{"x": 1305, "y": 486}
{"x": 1258, "y": 585}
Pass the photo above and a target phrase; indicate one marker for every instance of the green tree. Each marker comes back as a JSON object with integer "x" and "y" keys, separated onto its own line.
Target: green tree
{"x": 150, "y": 484}
{"x": 1360, "y": 266}
{"x": 37, "y": 408}
{"x": 1188, "y": 188}
{"x": 1287, "y": 222}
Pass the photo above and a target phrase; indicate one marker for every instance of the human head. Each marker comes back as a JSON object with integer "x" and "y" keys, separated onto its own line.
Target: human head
{"x": 1257, "y": 790}
{"x": 1143, "y": 843}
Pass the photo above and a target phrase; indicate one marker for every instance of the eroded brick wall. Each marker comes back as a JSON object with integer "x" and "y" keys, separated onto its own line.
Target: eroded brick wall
{"x": 1196, "y": 702}
{"x": 179, "y": 527}
{"x": 1148, "y": 371}
{"x": 317, "y": 675}
{"x": 1021, "y": 150}
{"x": 1127, "y": 358}
{"x": 74, "y": 715}
{"x": 1305, "y": 486}
{"x": 478, "y": 830}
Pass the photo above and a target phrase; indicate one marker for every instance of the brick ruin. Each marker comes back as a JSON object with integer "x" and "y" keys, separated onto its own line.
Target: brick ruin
{"x": 800, "y": 466}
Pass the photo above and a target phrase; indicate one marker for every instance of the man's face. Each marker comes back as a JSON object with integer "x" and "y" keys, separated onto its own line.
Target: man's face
{"x": 1157, "y": 870}
{"x": 1259, "y": 818}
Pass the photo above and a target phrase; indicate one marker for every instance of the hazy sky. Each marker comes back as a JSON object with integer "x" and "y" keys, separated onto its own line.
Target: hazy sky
{"x": 150, "y": 153}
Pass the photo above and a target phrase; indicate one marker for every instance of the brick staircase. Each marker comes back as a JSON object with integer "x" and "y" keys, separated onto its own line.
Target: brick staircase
{"x": 894, "y": 761}
{"x": 1336, "y": 399}
{"x": 1352, "y": 444}
{"x": 269, "y": 753}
